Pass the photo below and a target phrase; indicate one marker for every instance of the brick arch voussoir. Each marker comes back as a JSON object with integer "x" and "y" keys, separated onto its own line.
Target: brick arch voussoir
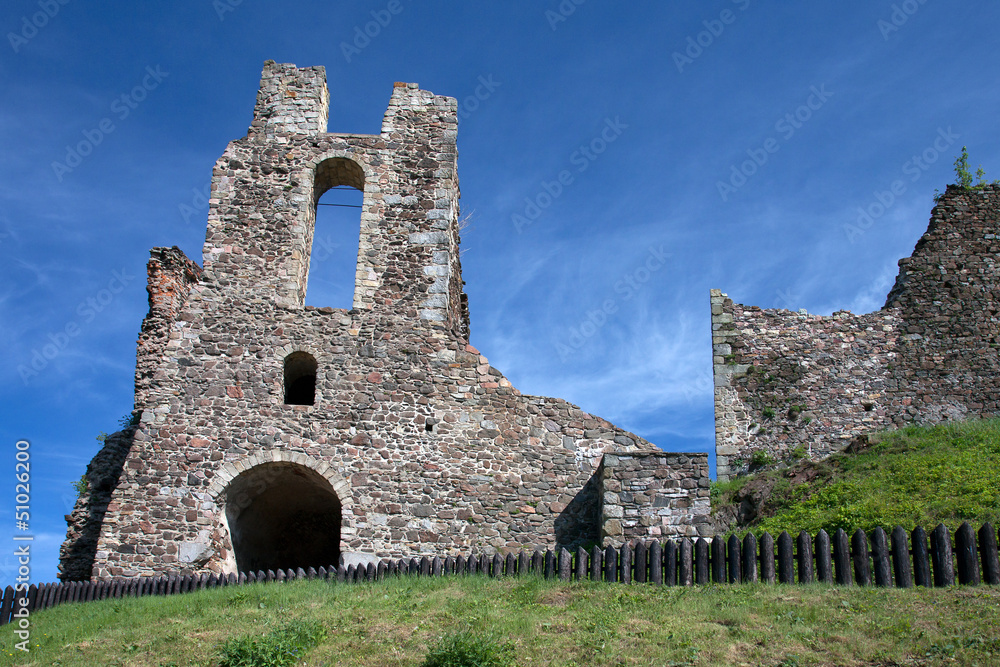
{"x": 310, "y": 164}
{"x": 230, "y": 471}
{"x": 321, "y": 356}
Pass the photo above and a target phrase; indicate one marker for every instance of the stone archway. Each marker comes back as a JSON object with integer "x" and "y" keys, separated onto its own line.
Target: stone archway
{"x": 283, "y": 514}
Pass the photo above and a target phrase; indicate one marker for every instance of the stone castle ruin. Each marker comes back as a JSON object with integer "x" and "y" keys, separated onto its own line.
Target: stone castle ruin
{"x": 269, "y": 434}
{"x": 792, "y": 385}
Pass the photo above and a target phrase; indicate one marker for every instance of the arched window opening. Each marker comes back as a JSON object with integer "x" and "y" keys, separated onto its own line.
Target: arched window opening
{"x": 281, "y": 516}
{"x": 300, "y": 379}
{"x": 339, "y": 191}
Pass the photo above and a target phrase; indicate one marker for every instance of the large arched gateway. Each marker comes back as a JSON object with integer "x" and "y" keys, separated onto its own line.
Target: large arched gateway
{"x": 283, "y": 515}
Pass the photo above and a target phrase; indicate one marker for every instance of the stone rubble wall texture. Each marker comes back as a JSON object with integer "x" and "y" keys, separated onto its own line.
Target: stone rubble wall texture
{"x": 429, "y": 449}
{"x": 793, "y": 384}
{"x": 647, "y": 495}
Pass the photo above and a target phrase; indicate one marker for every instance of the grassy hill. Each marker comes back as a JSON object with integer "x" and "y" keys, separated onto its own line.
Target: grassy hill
{"x": 914, "y": 476}
{"x": 396, "y": 622}
{"x": 948, "y": 473}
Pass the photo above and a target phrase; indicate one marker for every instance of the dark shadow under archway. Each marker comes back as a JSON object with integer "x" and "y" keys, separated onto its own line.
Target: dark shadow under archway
{"x": 283, "y": 515}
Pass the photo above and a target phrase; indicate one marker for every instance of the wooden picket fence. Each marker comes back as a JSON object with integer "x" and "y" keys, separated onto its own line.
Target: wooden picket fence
{"x": 900, "y": 559}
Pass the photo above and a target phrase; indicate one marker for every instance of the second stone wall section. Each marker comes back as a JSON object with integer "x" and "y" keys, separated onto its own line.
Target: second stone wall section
{"x": 650, "y": 495}
{"x": 793, "y": 385}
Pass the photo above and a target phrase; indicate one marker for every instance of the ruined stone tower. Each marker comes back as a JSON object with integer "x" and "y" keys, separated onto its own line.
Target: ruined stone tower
{"x": 270, "y": 434}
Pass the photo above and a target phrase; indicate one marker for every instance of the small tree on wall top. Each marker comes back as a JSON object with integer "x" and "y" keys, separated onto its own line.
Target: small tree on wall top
{"x": 964, "y": 177}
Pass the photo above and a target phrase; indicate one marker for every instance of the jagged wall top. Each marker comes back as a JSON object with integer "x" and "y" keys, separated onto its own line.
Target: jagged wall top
{"x": 291, "y": 100}
{"x": 790, "y": 384}
{"x": 266, "y": 186}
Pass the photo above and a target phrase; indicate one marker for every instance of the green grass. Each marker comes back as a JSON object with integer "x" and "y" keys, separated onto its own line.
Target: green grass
{"x": 470, "y": 649}
{"x": 397, "y": 622}
{"x": 278, "y": 648}
{"x": 917, "y": 476}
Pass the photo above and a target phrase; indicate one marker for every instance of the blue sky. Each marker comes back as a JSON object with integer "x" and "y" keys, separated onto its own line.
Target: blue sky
{"x": 617, "y": 160}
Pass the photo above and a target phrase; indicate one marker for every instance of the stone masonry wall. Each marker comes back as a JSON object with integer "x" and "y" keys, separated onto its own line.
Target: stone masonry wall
{"x": 170, "y": 277}
{"x": 948, "y": 295}
{"x": 651, "y": 494}
{"x": 414, "y": 443}
{"x": 793, "y": 384}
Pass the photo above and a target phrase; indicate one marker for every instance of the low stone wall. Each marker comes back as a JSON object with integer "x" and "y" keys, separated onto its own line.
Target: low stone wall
{"x": 654, "y": 494}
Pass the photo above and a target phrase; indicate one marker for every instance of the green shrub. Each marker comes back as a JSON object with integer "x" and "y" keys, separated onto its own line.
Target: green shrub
{"x": 280, "y": 647}
{"x": 963, "y": 176}
{"x": 768, "y": 413}
{"x": 723, "y": 491}
{"x": 760, "y": 459}
{"x": 81, "y": 485}
{"x": 467, "y": 649}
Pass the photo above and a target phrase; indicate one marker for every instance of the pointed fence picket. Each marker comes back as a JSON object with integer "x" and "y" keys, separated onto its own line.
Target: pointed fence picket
{"x": 900, "y": 560}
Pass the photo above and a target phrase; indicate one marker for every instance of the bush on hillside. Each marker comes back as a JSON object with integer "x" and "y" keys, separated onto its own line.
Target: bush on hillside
{"x": 467, "y": 649}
